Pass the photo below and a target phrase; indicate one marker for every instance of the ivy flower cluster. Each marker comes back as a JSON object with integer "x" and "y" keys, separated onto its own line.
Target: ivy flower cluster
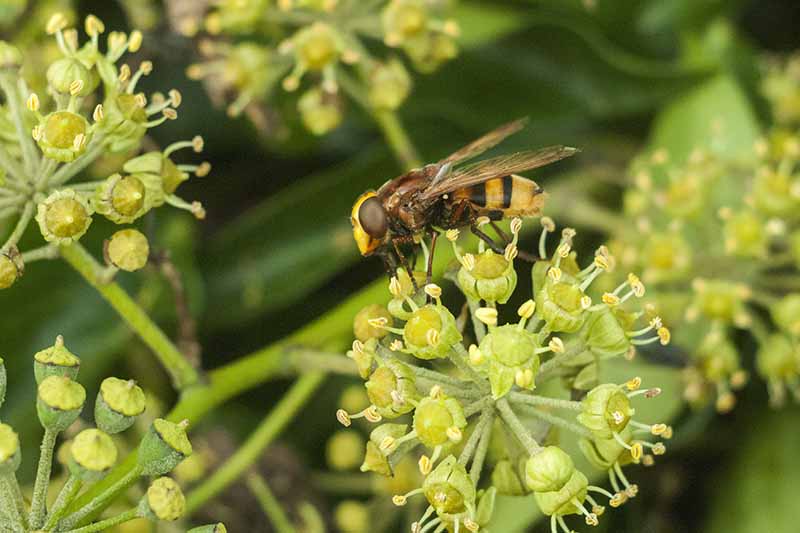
{"x": 317, "y": 47}
{"x": 443, "y": 386}
{"x": 721, "y": 254}
{"x": 90, "y": 454}
{"x": 49, "y": 139}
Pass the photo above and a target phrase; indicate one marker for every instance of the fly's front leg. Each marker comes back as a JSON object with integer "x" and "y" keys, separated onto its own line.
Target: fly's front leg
{"x": 525, "y": 256}
{"x": 429, "y": 271}
{"x": 404, "y": 262}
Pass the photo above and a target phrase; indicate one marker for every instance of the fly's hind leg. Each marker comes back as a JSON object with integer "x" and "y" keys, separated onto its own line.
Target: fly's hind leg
{"x": 496, "y": 248}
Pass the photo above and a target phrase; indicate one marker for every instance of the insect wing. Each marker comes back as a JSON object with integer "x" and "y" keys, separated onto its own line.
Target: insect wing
{"x": 493, "y": 138}
{"x": 503, "y": 165}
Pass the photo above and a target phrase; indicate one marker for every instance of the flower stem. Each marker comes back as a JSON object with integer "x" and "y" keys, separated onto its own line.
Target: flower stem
{"x": 475, "y": 437}
{"x": 130, "y": 514}
{"x": 22, "y": 225}
{"x": 8, "y": 506}
{"x": 49, "y": 251}
{"x": 182, "y": 372}
{"x": 101, "y": 500}
{"x": 8, "y": 80}
{"x": 269, "y": 504}
{"x": 42, "y": 478}
{"x": 517, "y": 427}
{"x": 558, "y": 421}
{"x": 397, "y": 138}
{"x": 65, "y": 496}
{"x": 459, "y": 357}
{"x": 483, "y": 449}
{"x": 263, "y": 435}
{"x": 535, "y": 400}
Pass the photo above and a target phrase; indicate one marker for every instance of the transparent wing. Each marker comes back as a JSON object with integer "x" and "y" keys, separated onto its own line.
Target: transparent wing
{"x": 493, "y": 138}
{"x": 503, "y": 165}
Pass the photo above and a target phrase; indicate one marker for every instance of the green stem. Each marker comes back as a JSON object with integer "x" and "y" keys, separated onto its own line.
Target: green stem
{"x": 483, "y": 449}
{"x": 101, "y": 500}
{"x": 531, "y": 399}
{"x": 269, "y": 504}
{"x": 48, "y": 251}
{"x": 459, "y": 356}
{"x": 11, "y": 166}
{"x": 8, "y": 505}
{"x": 22, "y": 225}
{"x": 475, "y": 437}
{"x": 65, "y": 496}
{"x": 8, "y": 80}
{"x": 264, "y": 434}
{"x": 107, "y": 523}
{"x": 330, "y": 362}
{"x": 42, "y": 478}
{"x": 397, "y": 138}
{"x": 349, "y": 484}
{"x": 517, "y": 427}
{"x": 478, "y": 326}
{"x": 557, "y": 421}
{"x": 68, "y": 171}
{"x": 181, "y": 371}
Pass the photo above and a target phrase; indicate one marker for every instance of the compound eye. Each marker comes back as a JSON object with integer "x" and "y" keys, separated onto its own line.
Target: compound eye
{"x": 372, "y": 218}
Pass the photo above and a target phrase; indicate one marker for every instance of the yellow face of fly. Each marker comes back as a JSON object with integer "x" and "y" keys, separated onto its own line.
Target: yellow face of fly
{"x": 367, "y": 244}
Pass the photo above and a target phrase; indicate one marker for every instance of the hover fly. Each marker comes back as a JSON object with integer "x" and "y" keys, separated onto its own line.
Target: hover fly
{"x": 450, "y": 194}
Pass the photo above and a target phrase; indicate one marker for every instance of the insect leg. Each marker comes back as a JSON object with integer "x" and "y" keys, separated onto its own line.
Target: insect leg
{"x": 496, "y": 248}
{"x": 434, "y": 236}
{"x": 525, "y": 256}
{"x": 404, "y": 262}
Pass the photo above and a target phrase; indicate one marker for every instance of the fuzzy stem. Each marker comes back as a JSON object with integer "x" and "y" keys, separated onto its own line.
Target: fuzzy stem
{"x": 48, "y": 251}
{"x": 477, "y": 325}
{"x": 8, "y": 505}
{"x": 459, "y": 356}
{"x": 130, "y": 514}
{"x": 11, "y": 166}
{"x": 269, "y": 504}
{"x": 264, "y": 434}
{"x": 65, "y": 496}
{"x": 42, "y": 478}
{"x": 181, "y": 371}
{"x": 475, "y": 437}
{"x": 30, "y": 154}
{"x": 483, "y": 449}
{"x": 101, "y": 500}
{"x": 22, "y": 225}
{"x": 531, "y": 399}
{"x": 517, "y": 427}
{"x": 557, "y": 421}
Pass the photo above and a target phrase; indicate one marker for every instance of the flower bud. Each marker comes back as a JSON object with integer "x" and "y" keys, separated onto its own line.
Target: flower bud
{"x": 665, "y": 257}
{"x": 403, "y": 20}
{"x": 56, "y": 360}
{"x": 343, "y": 450}
{"x": 431, "y": 50}
{"x": 352, "y": 516}
{"x": 605, "y": 332}
{"x": 11, "y": 268}
{"x": 59, "y": 402}
{"x": 320, "y": 111}
{"x": 719, "y": 299}
{"x": 63, "y": 217}
{"x": 778, "y": 359}
{"x": 376, "y": 457}
{"x": 118, "y": 404}
{"x": 209, "y": 528}
{"x": 431, "y": 317}
{"x": 10, "y": 57}
{"x": 548, "y": 470}
{"x": 156, "y": 164}
{"x": 93, "y": 453}
{"x": 361, "y": 326}
{"x": 772, "y": 193}
{"x": 316, "y": 46}
{"x": 746, "y": 235}
{"x": 506, "y": 479}
{"x": 164, "y": 501}
{"x": 164, "y": 446}
{"x": 121, "y": 199}
{"x": 604, "y": 453}
{"x": 786, "y": 314}
{"x": 10, "y": 452}
{"x": 433, "y": 418}
{"x": 63, "y": 136}
{"x": 389, "y": 85}
{"x": 124, "y": 121}
{"x": 63, "y": 72}
{"x": 492, "y": 278}
{"x": 392, "y": 388}
{"x": 128, "y": 250}
{"x": 449, "y": 489}
{"x": 559, "y": 302}
{"x": 509, "y": 350}
{"x": 606, "y": 409}
{"x": 560, "y": 502}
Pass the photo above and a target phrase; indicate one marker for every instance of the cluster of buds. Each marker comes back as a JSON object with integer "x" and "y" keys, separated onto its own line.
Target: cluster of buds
{"x": 439, "y": 392}
{"x": 720, "y": 263}
{"x": 91, "y": 109}
{"x": 88, "y": 454}
{"x": 320, "y": 47}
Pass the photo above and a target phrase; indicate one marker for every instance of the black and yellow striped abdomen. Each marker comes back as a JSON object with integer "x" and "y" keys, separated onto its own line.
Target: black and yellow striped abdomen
{"x": 513, "y": 195}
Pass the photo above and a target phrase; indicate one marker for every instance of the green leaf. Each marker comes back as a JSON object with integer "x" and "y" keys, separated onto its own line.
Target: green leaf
{"x": 482, "y": 22}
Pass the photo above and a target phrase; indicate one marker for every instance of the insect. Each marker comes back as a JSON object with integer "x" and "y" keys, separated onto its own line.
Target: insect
{"x": 450, "y": 194}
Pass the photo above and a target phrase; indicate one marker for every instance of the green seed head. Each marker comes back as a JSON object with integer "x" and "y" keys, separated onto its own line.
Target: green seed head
{"x": 93, "y": 452}
{"x": 63, "y": 136}
{"x": 59, "y": 402}
{"x": 164, "y": 500}
{"x": 391, "y": 388}
{"x": 343, "y": 450}
{"x": 435, "y": 418}
{"x": 320, "y": 111}
{"x": 549, "y": 470}
{"x": 118, "y": 404}
{"x": 164, "y": 446}
{"x": 605, "y": 409}
{"x": 56, "y": 360}
{"x": 11, "y": 268}
{"x": 63, "y": 217}
{"x": 10, "y": 456}
{"x": 603, "y": 453}
{"x": 431, "y": 332}
{"x": 361, "y": 327}
{"x": 449, "y": 489}
{"x": 128, "y": 250}
{"x": 493, "y": 278}
{"x": 64, "y": 72}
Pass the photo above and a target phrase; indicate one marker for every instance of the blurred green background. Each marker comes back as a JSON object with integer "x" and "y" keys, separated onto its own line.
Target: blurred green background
{"x": 275, "y": 251}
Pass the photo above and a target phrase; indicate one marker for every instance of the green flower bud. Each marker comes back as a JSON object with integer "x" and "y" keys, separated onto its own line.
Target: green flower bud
{"x": 720, "y": 299}
{"x": 124, "y": 121}
{"x": 429, "y": 51}
{"x": 237, "y": 16}
{"x": 118, "y": 404}
{"x": 164, "y": 501}
{"x": 316, "y": 46}
{"x": 10, "y": 57}
{"x": 548, "y": 470}
{"x": 210, "y": 528}
{"x": 63, "y": 217}
{"x": 772, "y": 193}
{"x": 11, "y": 268}
{"x": 63, "y": 135}
{"x": 493, "y": 278}
{"x": 665, "y": 256}
{"x": 121, "y": 199}
{"x": 164, "y": 446}
{"x": 786, "y": 314}
{"x": 361, "y": 327}
{"x": 352, "y": 516}
{"x": 92, "y": 453}
{"x": 64, "y": 72}
{"x": 10, "y": 453}
{"x": 363, "y": 354}
{"x": 510, "y": 354}
{"x": 449, "y": 489}
{"x": 376, "y": 461}
{"x": 392, "y": 388}
{"x": 718, "y": 357}
{"x": 343, "y": 450}
{"x": 431, "y": 332}
{"x": 389, "y": 85}
{"x": 320, "y": 111}
{"x": 605, "y": 410}
{"x": 560, "y": 502}
{"x": 155, "y": 165}
{"x": 746, "y": 235}
{"x": 403, "y": 20}
{"x": 59, "y": 402}
{"x": 128, "y": 250}
{"x": 56, "y": 360}
{"x": 439, "y": 420}
{"x": 605, "y": 332}
{"x": 778, "y": 359}
{"x": 506, "y": 479}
